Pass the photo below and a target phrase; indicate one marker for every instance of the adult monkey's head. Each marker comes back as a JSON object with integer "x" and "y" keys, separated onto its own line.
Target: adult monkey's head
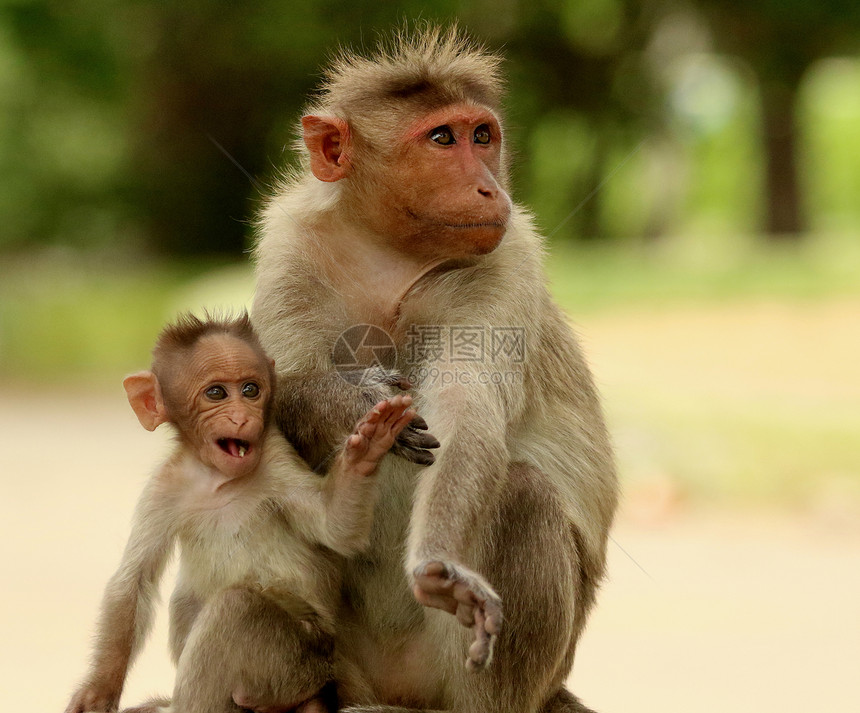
{"x": 414, "y": 137}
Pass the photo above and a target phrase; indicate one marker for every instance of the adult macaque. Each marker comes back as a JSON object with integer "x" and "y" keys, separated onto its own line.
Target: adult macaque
{"x": 261, "y": 536}
{"x": 400, "y": 219}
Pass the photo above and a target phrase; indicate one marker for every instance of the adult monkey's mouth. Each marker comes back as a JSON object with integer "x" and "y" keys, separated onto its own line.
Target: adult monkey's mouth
{"x": 497, "y": 223}
{"x": 491, "y": 224}
{"x": 235, "y": 447}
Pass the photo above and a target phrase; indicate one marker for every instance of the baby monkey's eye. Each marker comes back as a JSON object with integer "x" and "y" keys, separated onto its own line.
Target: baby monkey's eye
{"x": 216, "y": 393}
{"x": 442, "y": 135}
{"x": 250, "y": 390}
{"x": 482, "y": 134}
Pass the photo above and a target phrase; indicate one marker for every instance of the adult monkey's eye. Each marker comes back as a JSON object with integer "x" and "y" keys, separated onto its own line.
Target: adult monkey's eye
{"x": 482, "y": 134}
{"x": 442, "y": 135}
{"x": 250, "y": 390}
{"x": 216, "y": 393}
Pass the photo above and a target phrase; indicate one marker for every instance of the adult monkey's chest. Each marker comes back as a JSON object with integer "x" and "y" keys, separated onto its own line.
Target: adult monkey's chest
{"x": 424, "y": 298}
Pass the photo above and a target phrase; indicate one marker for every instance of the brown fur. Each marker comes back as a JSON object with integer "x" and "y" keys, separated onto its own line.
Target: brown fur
{"x": 411, "y": 73}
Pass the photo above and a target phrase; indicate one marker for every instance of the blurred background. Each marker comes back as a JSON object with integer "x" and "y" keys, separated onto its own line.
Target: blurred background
{"x": 695, "y": 165}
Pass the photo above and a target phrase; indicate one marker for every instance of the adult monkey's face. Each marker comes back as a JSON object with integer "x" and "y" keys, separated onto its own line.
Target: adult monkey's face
{"x": 434, "y": 190}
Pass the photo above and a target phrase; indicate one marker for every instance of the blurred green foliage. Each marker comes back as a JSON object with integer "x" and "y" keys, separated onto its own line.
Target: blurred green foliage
{"x": 624, "y": 122}
{"x": 63, "y": 316}
{"x": 626, "y": 127}
{"x": 649, "y": 137}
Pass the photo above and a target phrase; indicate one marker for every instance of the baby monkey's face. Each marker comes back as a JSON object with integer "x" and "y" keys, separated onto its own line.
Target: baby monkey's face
{"x": 226, "y": 389}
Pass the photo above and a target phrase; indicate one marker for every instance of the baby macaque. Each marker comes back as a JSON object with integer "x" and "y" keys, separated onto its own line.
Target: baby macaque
{"x": 261, "y": 535}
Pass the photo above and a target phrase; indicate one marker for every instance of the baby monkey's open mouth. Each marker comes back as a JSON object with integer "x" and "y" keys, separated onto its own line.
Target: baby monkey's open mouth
{"x": 235, "y": 447}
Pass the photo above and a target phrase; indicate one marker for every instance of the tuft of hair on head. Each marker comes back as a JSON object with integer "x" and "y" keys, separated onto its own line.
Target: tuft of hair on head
{"x": 181, "y": 336}
{"x": 188, "y": 329}
{"x": 425, "y": 65}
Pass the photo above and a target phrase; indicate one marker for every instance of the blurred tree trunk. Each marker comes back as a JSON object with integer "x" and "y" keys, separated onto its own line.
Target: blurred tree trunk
{"x": 784, "y": 218}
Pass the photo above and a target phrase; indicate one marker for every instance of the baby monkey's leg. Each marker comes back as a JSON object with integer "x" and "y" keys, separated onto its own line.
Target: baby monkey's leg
{"x": 243, "y": 641}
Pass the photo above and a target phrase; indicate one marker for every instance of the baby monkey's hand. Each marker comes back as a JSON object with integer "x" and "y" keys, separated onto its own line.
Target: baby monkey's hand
{"x": 376, "y": 433}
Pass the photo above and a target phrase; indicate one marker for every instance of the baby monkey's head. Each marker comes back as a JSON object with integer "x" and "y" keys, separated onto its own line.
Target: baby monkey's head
{"x": 212, "y": 380}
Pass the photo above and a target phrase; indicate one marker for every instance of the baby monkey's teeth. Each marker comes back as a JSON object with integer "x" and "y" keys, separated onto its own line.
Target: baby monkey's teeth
{"x": 242, "y": 451}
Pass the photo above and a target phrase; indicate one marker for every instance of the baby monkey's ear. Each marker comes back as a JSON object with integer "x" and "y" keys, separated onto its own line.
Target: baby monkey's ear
{"x": 144, "y": 395}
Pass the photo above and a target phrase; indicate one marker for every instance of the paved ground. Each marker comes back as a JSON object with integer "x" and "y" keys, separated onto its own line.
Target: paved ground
{"x": 704, "y": 611}
{"x": 737, "y": 612}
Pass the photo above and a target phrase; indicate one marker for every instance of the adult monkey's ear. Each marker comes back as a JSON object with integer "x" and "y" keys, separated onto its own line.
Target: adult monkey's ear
{"x": 329, "y": 142}
{"x": 144, "y": 395}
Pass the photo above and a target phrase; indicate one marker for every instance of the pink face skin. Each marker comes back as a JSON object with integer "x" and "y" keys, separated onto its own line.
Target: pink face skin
{"x": 435, "y": 191}
{"x": 443, "y": 184}
{"x": 226, "y": 388}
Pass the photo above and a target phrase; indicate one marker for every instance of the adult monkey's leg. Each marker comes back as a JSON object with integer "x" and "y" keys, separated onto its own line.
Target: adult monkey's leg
{"x": 532, "y": 550}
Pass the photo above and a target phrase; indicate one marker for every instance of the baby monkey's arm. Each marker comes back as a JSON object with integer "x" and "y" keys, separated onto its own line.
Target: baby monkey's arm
{"x": 126, "y": 612}
{"x": 340, "y": 512}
